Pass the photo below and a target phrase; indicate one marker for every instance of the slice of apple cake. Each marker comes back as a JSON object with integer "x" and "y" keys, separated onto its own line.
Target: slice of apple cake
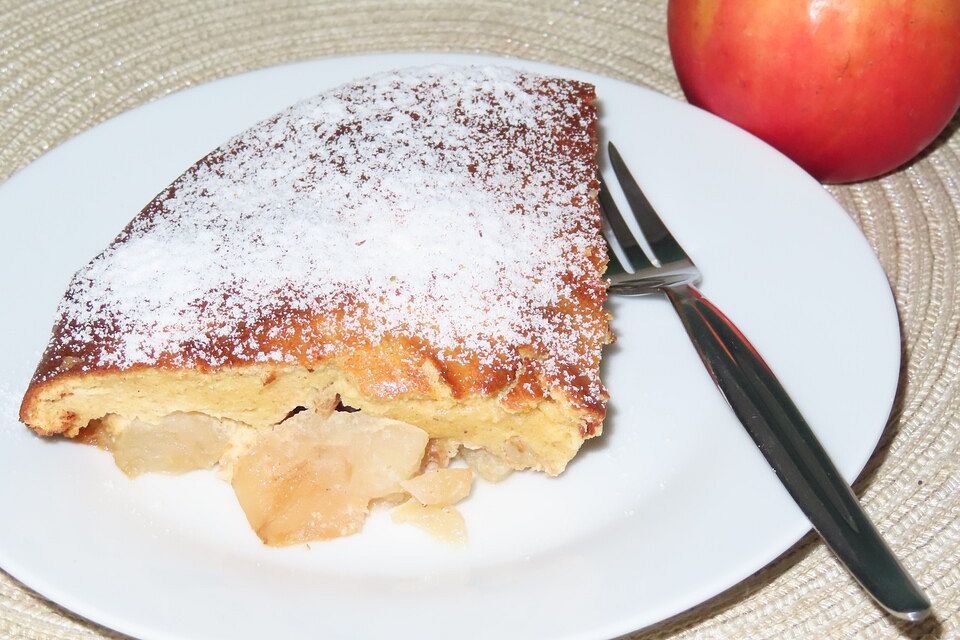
{"x": 422, "y": 245}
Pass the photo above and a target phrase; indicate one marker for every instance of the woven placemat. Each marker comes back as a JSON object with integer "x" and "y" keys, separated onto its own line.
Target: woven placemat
{"x": 67, "y": 65}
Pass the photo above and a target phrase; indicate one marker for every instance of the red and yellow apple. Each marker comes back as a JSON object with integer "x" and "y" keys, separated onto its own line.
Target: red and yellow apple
{"x": 849, "y": 89}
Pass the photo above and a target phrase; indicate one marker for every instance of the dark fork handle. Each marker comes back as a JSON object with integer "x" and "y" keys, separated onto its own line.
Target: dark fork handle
{"x": 794, "y": 452}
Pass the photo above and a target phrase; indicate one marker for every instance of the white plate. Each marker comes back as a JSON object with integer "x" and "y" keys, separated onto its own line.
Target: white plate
{"x": 673, "y": 504}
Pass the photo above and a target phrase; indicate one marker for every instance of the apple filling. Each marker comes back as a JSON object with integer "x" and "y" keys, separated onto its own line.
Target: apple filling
{"x": 178, "y": 443}
{"x": 311, "y": 477}
{"x": 444, "y": 523}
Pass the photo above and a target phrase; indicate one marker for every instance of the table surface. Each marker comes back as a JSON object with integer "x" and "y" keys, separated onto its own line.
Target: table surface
{"x": 66, "y": 66}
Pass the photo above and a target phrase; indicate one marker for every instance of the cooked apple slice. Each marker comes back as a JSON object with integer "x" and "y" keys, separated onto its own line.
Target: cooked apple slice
{"x": 443, "y": 523}
{"x": 381, "y": 451}
{"x": 488, "y": 466}
{"x": 176, "y": 443}
{"x": 293, "y": 489}
{"x": 440, "y": 487}
{"x": 313, "y": 477}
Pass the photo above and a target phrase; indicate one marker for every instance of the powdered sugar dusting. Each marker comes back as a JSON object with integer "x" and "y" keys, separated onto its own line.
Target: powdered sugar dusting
{"x": 441, "y": 203}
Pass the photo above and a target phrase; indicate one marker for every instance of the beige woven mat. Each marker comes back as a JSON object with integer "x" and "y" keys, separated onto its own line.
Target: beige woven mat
{"x": 65, "y": 66}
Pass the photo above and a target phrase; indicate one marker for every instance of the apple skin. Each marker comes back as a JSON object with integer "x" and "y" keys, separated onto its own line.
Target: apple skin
{"x": 849, "y": 89}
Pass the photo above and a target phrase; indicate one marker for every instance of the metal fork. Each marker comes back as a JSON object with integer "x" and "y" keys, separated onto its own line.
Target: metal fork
{"x": 758, "y": 400}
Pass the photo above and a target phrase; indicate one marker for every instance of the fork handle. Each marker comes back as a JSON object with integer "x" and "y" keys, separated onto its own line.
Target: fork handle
{"x": 790, "y": 446}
